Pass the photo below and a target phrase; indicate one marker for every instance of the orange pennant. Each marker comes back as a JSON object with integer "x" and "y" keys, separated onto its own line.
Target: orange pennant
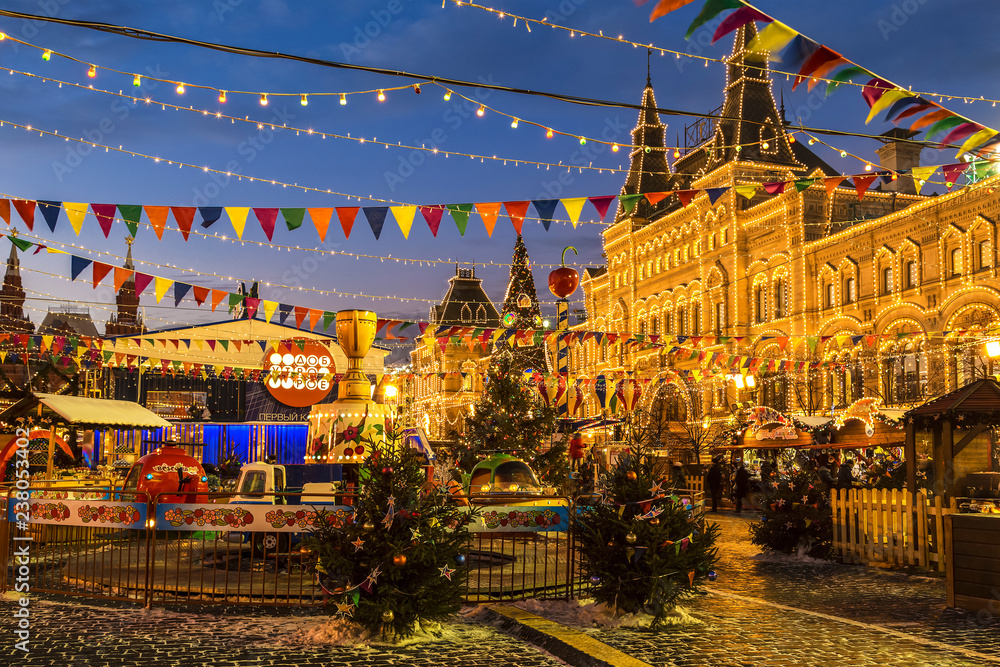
{"x": 832, "y": 183}
{"x": 314, "y": 318}
{"x": 158, "y": 218}
{"x": 121, "y": 275}
{"x": 100, "y": 271}
{"x": 217, "y": 296}
{"x": 489, "y": 213}
{"x": 321, "y": 221}
{"x": 655, "y": 197}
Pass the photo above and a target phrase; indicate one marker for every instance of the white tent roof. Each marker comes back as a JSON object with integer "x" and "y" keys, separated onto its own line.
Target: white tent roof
{"x": 82, "y": 410}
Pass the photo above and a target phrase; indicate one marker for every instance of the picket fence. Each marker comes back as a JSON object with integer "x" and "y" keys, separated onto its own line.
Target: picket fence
{"x": 890, "y": 527}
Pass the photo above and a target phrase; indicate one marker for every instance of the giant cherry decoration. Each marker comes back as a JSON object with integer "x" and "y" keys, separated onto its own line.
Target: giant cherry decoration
{"x": 564, "y": 280}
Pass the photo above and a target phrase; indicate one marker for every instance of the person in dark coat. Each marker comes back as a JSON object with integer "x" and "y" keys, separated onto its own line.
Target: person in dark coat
{"x": 825, "y": 478}
{"x": 845, "y": 476}
{"x": 742, "y": 486}
{"x": 715, "y": 482}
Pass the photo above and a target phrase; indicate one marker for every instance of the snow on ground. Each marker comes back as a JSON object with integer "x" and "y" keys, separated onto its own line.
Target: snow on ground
{"x": 779, "y": 557}
{"x": 587, "y": 614}
{"x": 342, "y": 632}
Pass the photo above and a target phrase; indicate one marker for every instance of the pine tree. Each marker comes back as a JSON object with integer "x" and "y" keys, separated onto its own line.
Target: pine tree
{"x": 398, "y": 560}
{"x": 796, "y": 519}
{"x": 510, "y": 418}
{"x": 642, "y": 546}
{"x": 520, "y": 312}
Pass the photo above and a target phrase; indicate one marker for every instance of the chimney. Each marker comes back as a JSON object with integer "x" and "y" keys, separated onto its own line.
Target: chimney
{"x": 899, "y": 155}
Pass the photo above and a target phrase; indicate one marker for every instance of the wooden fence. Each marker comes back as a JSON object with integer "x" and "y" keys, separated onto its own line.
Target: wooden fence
{"x": 889, "y": 526}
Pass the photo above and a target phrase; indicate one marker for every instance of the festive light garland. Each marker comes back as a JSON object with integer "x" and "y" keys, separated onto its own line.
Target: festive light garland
{"x": 574, "y": 32}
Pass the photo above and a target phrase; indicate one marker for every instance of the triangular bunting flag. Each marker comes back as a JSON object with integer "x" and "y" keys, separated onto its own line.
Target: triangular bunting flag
{"x": 5, "y": 210}
{"x": 293, "y": 217}
{"x": 544, "y": 208}
{"x": 602, "y": 204}
{"x": 105, "y": 216}
{"x": 26, "y": 209}
{"x": 746, "y": 191}
{"x": 121, "y": 275}
{"x": 184, "y": 217}
{"x": 861, "y": 184}
{"x": 76, "y": 212}
{"x": 715, "y": 193}
{"x": 50, "y": 212}
{"x": 130, "y": 213}
{"x": 346, "y": 215}
{"x": 404, "y": 218}
{"x": 314, "y": 318}
{"x": 77, "y": 265}
{"x": 142, "y": 281}
{"x": 574, "y": 207}
{"x": 516, "y": 210}
{"x": 628, "y": 202}
{"x": 158, "y": 218}
{"x": 489, "y": 212}
{"x": 300, "y": 315}
{"x": 376, "y": 218}
{"x": 180, "y": 291}
{"x": 162, "y": 285}
{"x": 217, "y": 296}
{"x": 459, "y": 213}
{"x": 209, "y": 215}
{"x": 267, "y": 218}
{"x": 321, "y": 221}
{"x": 200, "y": 294}
{"x": 238, "y": 218}
{"x": 656, "y": 197}
{"x": 251, "y": 304}
{"x": 832, "y": 184}
{"x": 269, "y": 308}
{"x": 685, "y": 196}
{"x": 100, "y": 271}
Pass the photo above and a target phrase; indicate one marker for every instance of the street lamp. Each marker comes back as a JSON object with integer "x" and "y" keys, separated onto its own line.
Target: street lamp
{"x": 993, "y": 348}
{"x": 751, "y": 382}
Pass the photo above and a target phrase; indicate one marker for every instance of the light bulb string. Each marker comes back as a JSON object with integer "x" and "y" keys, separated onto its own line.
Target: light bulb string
{"x": 256, "y": 179}
{"x": 39, "y": 241}
{"x": 706, "y": 59}
{"x": 364, "y": 140}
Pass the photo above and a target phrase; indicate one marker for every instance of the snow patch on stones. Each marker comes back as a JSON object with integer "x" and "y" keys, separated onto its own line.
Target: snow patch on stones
{"x": 343, "y": 632}
{"x": 588, "y": 615}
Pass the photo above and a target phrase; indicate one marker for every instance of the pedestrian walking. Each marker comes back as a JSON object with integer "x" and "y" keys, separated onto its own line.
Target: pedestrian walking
{"x": 742, "y": 486}
{"x": 715, "y": 482}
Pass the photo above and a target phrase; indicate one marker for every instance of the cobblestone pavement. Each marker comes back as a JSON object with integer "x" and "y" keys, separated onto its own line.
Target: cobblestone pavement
{"x": 775, "y": 611}
{"x": 760, "y": 612}
{"x": 69, "y": 633}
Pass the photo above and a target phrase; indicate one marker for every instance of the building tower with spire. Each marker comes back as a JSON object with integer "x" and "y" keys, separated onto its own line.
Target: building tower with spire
{"x": 12, "y": 319}
{"x": 126, "y": 321}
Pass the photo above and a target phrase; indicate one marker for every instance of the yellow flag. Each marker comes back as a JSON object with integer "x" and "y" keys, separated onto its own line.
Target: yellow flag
{"x": 238, "y": 216}
{"x": 404, "y": 218}
{"x": 888, "y": 98}
{"x": 269, "y": 308}
{"x": 574, "y": 207}
{"x": 921, "y": 174}
{"x": 76, "y": 213}
{"x": 162, "y": 285}
{"x": 772, "y": 39}
{"x": 976, "y": 139}
{"x": 746, "y": 191}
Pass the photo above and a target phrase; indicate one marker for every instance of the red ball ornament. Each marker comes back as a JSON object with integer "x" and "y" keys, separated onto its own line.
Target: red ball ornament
{"x": 564, "y": 280}
{"x": 399, "y": 560}
{"x": 631, "y": 476}
{"x": 387, "y": 471}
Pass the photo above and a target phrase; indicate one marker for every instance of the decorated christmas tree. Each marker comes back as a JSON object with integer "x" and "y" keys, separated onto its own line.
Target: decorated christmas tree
{"x": 521, "y": 317}
{"x": 398, "y": 560}
{"x": 797, "y": 518}
{"x": 643, "y": 547}
{"x": 510, "y": 418}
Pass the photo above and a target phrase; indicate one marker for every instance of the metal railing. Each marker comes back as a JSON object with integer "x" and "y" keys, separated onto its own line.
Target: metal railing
{"x": 124, "y": 547}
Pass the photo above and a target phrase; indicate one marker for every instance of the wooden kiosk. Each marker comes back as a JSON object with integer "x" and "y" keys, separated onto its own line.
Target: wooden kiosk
{"x": 957, "y": 431}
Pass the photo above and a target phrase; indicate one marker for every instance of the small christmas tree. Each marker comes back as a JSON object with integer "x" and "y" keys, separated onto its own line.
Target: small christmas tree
{"x": 398, "y": 560}
{"x": 520, "y": 312}
{"x": 510, "y": 418}
{"x": 797, "y": 518}
{"x": 642, "y": 546}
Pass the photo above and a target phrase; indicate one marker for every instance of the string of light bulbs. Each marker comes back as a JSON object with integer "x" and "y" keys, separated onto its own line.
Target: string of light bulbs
{"x": 253, "y": 179}
{"x": 544, "y": 22}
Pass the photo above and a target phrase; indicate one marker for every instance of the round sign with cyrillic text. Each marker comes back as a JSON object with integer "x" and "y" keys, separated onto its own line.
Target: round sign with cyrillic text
{"x": 299, "y": 376}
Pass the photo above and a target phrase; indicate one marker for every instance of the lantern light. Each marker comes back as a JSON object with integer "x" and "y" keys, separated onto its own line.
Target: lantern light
{"x": 751, "y": 382}
{"x": 263, "y": 99}
{"x": 447, "y": 95}
{"x": 993, "y": 348}
{"x": 304, "y": 101}
{"x": 381, "y": 96}
{"x": 222, "y": 96}
{"x": 343, "y": 99}
{"x": 137, "y": 81}
{"x": 180, "y": 88}
{"x": 46, "y": 54}
{"x": 481, "y": 110}
{"x": 92, "y": 72}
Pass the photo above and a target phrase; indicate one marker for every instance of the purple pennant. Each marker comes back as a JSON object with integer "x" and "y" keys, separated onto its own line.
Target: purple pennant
{"x": 901, "y": 104}
{"x": 601, "y": 390}
{"x": 376, "y": 218}
{"x": 180, "y": 291}
{"x": 602, "y": 204}
{"x": 545, "y": 208}
{"x": 50, "y": 211}
{"x": 874, "y": 89}
{"x": 142, "y": 281}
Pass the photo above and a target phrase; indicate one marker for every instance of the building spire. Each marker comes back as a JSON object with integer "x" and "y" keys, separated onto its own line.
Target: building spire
{"x": 649, "y": 54}
{"x": 648, "y": 171}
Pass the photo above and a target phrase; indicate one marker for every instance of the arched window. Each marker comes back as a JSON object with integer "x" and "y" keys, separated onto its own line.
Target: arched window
{"x": 887, "y": 280}
{"x": 667, "y": 323}
{"x": 760, "y": 304}
{"x": 481, "y": 315}
{"x": 911, "y": 274}
{"x": 640, "y": 272}
{"x": 850, "y": 291}
{"x": 831, "y": 295}
{"x": 642, "y": 327}
{"x": 779, "y": 299}
{"x": 466, "y": 314}
{"x": 985, "y": 260}
{"x": 956, "y": 262}
{"x": 720, "y": 317}
{"x": 656, "y": 325}
{"x": 696, "y": 319}
{"x": 681, "y": 323}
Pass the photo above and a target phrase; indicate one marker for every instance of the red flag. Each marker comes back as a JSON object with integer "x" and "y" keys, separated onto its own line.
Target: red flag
{"x": 26, "y": 209}
{"x": 516, "y": 210}
{"x": 346, "y": 215}
{"x": 105, "y": 216}
{"x": 266, "y": 217}
{"x": 100, "y": 271}
{"x": 300, "y": 315}
{"x": 602, "y": 204}
{"x": 184, "y": 216}
{"x": 200, "y": 294}
{"x": 861, "y": 184}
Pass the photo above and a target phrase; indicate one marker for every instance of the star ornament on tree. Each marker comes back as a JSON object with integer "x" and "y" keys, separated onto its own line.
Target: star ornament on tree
{"x": 415, "y": 534}
{"x": 374, "y": 574}
{"x": 347, "y": 610}
{"x": 446, "y": 572}
{"x": 358, "y": 544}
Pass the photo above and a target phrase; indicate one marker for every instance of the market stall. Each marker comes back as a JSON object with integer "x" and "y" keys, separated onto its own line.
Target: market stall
{"x": 69, "y": 425}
